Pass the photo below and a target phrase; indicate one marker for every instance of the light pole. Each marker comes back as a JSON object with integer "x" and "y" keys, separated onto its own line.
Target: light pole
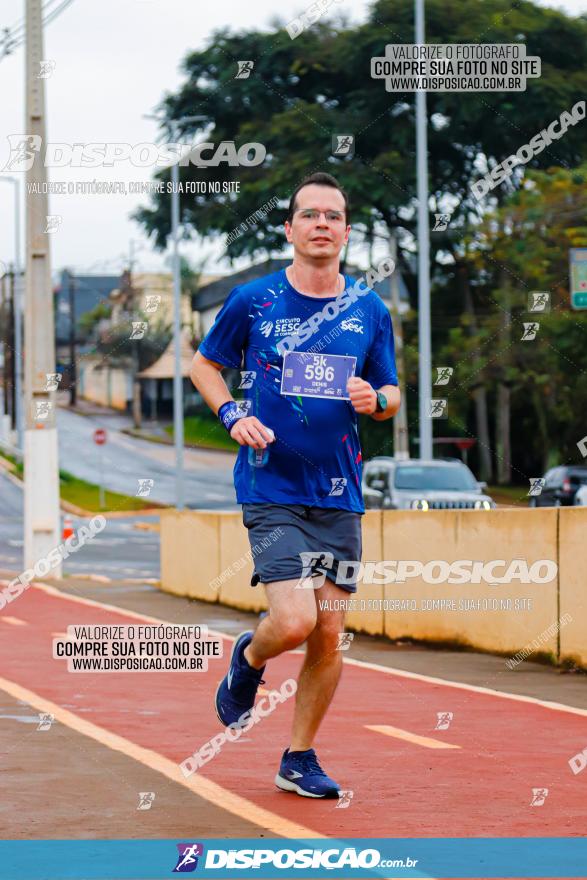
{"x": 425, "y": 345}
{"x": 171, "y": 126}
{"x": 17, "y": 311}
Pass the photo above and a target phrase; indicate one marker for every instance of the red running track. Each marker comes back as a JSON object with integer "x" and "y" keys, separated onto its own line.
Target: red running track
{"x": 401, "y": 789}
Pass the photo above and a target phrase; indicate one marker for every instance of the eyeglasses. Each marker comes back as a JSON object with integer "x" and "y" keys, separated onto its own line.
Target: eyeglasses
{"x": 314, "y": 214}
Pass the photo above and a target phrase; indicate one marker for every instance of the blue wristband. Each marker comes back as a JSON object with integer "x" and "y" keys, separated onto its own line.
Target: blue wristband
{"x": 231, "y": 411}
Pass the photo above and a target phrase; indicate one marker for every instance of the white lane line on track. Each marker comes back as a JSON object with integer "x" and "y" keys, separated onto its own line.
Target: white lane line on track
{"x": 387, "y": 670}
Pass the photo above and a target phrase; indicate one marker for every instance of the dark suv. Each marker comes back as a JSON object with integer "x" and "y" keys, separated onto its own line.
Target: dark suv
{"x": 560, "y": 487}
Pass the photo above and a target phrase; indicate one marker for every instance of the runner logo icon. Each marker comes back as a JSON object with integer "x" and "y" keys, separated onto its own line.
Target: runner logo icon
{"x": 187, "y": 860}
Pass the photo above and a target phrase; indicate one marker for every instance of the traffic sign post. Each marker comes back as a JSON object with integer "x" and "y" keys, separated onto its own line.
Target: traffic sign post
{"x": 100, "y": 440}
{"x": 578, "y": 275}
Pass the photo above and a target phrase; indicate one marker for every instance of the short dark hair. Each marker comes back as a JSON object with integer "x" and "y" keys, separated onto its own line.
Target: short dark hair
{"x": 321, "y": 178}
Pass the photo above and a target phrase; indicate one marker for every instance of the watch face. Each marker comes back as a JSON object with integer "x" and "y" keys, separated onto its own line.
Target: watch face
{"x": 381, "y": 402}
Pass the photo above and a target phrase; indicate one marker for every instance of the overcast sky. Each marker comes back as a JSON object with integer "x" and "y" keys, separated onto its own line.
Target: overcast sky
{"x": 115, "y": 60}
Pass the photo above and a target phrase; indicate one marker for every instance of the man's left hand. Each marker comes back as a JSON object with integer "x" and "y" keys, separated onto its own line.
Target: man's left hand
{"x": 363, "y": 396}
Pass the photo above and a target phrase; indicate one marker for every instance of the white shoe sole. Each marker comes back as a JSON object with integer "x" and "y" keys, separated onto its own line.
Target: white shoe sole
{"x": 288, "y": 785}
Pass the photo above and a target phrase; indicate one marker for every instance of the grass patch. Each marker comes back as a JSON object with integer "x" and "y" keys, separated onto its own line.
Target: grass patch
{"x": 87, "y": 495}
{"x": 207, "y": 433}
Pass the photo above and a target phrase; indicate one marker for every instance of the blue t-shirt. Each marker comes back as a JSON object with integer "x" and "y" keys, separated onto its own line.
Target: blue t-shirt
{"x": 315, "y": 458}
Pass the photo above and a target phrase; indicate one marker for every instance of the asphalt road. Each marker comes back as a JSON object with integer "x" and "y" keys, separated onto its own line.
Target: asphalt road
{"x": 120, "y": 551}
{"x": 126, "y": 460}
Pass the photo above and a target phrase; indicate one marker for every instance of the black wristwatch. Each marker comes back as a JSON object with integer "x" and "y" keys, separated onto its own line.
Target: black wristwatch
{"x": 381, "y": 402}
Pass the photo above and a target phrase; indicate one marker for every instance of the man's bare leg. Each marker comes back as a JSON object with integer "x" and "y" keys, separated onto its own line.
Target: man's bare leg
{"x": 321, "y": 669}
{"x": 292, "y": 617}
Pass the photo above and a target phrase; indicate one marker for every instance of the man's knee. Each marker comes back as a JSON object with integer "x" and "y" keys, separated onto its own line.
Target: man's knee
{"x": 293, "y": 630}
{"x": 326, "y": 636}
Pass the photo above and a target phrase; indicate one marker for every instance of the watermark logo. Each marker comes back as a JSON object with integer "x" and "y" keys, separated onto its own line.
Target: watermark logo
{"x": 45, "y": 721}
{"x": 42, "y": 409}
{"x": 46, "y": 69}
{"x": 436, "y": 571}
{"x": 53, "y": 380}
{"x": 539, "y": 301}
{"x": 152, "y": 302}
{"x": 344, "y": 641}
{"x": 530, "y": 331}
{"x": 338, "y": 485}
{"x": 252, "y": 220}
{"x": 26, "y": 148}
{"x": 539, "y": 795}
{"x": 578, "y": 762}
{"x": 536, "y": 486}
{"x": 146, "y": 799}
{"x": 443, "y": 375}
{"x": 344, "y": 799}
{"x": 343, "y": 145}
{"x": 264, "y": 707}
{"x": 441, "y": 222}
{"x": 54, "y": 558}
{"x": 455, "y": 67}
{"x": 314, "y": 564}
{"x": 53, "y": 222}
{"x": 245, "y": 68}
{"x": 361, "y": 287}
{"x": 144, "y": 489}
{"x": 443, "y": 720}
{"x": 298, "y": 25}
{"x": 438, "y": 408}
{"x": 247, "y": 379}
{"x": 187, "y": 860}
{"x": 539, "y": 142}
{"x": 139, "y": 328}
{"x": 582, "y": 447}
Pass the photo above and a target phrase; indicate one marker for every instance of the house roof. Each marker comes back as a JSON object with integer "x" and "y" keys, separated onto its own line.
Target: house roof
{"x": 164, "y": 367}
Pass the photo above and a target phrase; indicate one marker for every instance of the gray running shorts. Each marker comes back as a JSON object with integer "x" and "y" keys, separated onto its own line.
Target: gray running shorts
{"x": 279, "y": 533}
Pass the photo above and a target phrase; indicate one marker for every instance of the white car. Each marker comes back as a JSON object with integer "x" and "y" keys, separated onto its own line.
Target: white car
{"x": 581, "y": 496}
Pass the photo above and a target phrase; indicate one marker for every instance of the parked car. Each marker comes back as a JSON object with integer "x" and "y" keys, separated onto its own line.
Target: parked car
{"x": 581, "y": 496}
{"x": 560, "y": 486}
{"x": 423, "y": 485}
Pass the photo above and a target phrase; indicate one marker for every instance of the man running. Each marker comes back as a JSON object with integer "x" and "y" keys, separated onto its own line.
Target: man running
{"x": 299, "y": 466}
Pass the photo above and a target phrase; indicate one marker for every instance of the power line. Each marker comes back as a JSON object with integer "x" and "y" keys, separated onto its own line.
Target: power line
{"x": 14, "y": 37}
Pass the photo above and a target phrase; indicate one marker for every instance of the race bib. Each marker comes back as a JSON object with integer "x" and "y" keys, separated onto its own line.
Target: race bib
{"x": 317, "y": 375}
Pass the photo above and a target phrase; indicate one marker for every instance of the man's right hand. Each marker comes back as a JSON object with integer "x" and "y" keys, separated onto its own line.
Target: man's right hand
{"x": 249, "y": 431}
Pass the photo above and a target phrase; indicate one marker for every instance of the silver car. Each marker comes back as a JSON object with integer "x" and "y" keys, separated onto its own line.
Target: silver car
{"x": 422, "y": 485}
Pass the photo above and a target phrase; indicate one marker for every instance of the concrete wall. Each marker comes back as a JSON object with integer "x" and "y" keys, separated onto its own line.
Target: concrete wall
{"x": 108, "y": 386}
{"x": 573, "y": 584}
{"x": 206, "y": 555}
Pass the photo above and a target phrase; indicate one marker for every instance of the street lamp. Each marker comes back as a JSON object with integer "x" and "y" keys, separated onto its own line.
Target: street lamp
{"x": 425, "y": 346}
{"x": 171, "y": 125}
{"x": 17, "y": 312}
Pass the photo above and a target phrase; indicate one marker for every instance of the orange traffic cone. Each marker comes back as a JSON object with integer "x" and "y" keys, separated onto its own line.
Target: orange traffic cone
{"x": 67, "y": 527}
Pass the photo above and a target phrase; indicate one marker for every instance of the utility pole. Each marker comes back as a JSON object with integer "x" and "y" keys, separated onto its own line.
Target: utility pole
{"x": 17, "y": 310}
{"x": 13, "y": 364}
{"x": 425, "y": 345}
{"x": 41, "y": 470}
{"x": 72, "y": 328}
{"x": 401, "y": 445}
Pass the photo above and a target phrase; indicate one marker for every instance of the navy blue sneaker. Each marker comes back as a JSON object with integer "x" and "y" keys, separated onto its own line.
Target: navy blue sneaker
{"x": 301, "y": 772}
{"x": 236, "y": 692}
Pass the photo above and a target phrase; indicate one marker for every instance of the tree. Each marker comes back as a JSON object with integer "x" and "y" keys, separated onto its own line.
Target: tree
{"x": 303, "y": 91}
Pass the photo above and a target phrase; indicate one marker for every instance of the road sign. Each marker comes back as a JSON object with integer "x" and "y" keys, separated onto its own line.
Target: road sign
{"x": 99, "y": 436}
{"x": 578, "y": 258}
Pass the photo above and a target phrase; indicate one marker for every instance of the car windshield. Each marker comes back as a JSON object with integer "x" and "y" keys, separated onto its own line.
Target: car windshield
{"x": 415, "y": 477}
